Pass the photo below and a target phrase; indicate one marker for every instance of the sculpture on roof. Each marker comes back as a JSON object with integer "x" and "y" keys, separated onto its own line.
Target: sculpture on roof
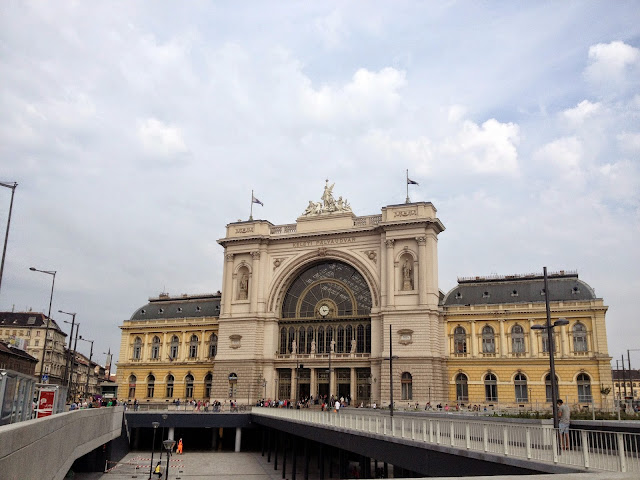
{"x": 328, "y": 204}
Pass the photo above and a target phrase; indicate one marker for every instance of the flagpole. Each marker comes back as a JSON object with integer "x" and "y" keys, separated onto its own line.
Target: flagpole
{"x": 407, "y": 186}
{"x": 251, "y": 211}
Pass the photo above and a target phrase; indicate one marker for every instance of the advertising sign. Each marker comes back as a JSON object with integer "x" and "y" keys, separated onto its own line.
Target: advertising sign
{"x": 46, "y": 399}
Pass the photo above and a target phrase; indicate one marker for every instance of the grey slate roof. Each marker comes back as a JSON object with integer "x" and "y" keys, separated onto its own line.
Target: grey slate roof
{"x": 27, "y": 320}
{"x": 518, "y": 289}
{"x": 184, "y": 306}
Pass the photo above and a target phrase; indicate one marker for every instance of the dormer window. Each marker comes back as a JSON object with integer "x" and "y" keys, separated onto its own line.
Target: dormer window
{"x": 514, "y": 293}
{"x": 143, "y": 311}
{"x": 179, "y": 309}
{"x": 198, "y": 309}
{"x": 575, "y": 290}
{"x": 458, "y": 295}
{"x": 542, "y": 292}
{"x": 485, "y": 295}
{"x": 161, "y": 310}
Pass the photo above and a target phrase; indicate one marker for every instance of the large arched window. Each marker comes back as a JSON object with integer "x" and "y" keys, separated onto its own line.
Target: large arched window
{"x": 310, "y": 338}
{"x": 213, "y": 345}
{"x": 584, "y": 387}
{"x": 579, "y": 338}
{"x": 290, "y": 340}
{"x": 155, "y": 348}
{"x": 320, "y": 342}
{"x": 329, "y": 338}
{"x": 488, "y": 340}
{"x": 174, "y": 347}
{"x": 520, "y": 383}
{"x": 517, "y": 340}
{"x": 462, "y": 388}
{"x": 283, "y": 340}
{"x": 132, "y": 386}
{"x": 151, "y": 382}
{"x": 170, "y": 381}
{"x": 490, "y": 387}
{"x": 338, "y": 285}
{"x": 302, "y": 342}
{"x": 193, "y": 346}
{"x": 137, "y": 348}
{"x": 208, "y": 382}
{"x": 360, "y": 339}
{"x": 547, "y": 385}
{"x": 459, "y": 340}
{"x": 407, "y": 386}
{"x": 340, "y": 341}
{"x": 188, "y": 386}
{"x": 348, "y": 336}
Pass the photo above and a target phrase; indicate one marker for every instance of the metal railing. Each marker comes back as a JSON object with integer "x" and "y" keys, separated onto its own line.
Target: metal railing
{"x": 588, "y": 449}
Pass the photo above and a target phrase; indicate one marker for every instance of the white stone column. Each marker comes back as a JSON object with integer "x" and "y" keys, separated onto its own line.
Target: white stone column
{"x": 533, "y": 345}
{"x": 262, "y": 301}
{"x": 433, "y": 296}
{"x": 294, "y": 385}
{"x": 313, "y": 387}
{"x": 228, "y": 284}
{"x": 254, "y": 282}
{"x": 202, "y": 353}
{"x": 564, "y": 341}
{"x": 144, "y": 354}
{"x": 390, "y": 274}
{"x": 238, "y": 438}
{"x": 170, "y": 435}
{"x": 352, "y": 390}
{"x": 422, "y": 269}
{"x": 383, "y": 273}
{"x": 473, "y": 339}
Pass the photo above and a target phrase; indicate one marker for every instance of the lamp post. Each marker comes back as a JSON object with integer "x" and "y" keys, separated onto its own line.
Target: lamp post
{"x": 630, "y": 371}
{"x": 153, "y": 446}
{"x": 66, "y": 363}
{"x": 264, "y": 385}
{"x": 164, "y": 418}
{"x": 6, "y": 235}
{"x": 89, "y": 367}
{"x": 168, "y": 446}
{"x": 552, "y": 367}
{"x": 46, "y": 331}
{"x": 391, "y": 358}
{"x": 73, "y": 359}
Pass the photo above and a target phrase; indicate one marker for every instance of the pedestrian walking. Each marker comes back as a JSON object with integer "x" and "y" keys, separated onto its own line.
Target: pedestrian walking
{"x": 564, "y": 420}
{"x": 180, "y": 447}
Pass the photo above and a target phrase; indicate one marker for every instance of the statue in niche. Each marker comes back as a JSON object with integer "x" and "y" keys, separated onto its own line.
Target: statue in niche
{"x": 294, "y": 346}
{"x": 353, "y": 346}
{"x": 332, "y": 346}
{"x": 407, "y": 276}
{"x": 313, "y": 346}
{"x": 243, "y": 290}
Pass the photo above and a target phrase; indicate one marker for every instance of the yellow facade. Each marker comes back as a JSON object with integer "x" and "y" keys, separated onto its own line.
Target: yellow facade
{"x": 580, "y": 349}
{"x": 145, "y": 367}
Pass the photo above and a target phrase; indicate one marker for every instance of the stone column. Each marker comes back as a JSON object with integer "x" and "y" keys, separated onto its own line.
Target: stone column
{"x": 422, "y": 269}
{"x": 564, "y": 341}
{"x": 503, "y": 339}
{"x": 432, "y": 269}
{"x": 262, "y": 301}
{"x": 383, "y": 273}
{"x": 294, "y": 385}
{"x": 390, "y": 274}
{"x": 313, "y": 387}
{"x": 228, "y": 284}
{"x": 474, "y": 339}
{"x": 253, "y": 284}
{"x": 353, "y": 387}
{"x": 185, "y": 346}
{"x": 238, "y": 438}
{"x": 164, "y": 348}
{"x": 533, "y": 345}
{"x": 170, "y": 435}
{"x": 144, "y": 355}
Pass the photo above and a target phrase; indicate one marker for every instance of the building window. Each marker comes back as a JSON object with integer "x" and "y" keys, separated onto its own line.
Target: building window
{"x": 233, "y": 386}
{"x": 360, "y": 344}
{"x": 459, "y": 340}
{"x": 213, "y": 345}
{"x": 348, "y": 337}
{"x": 151, "y": 381}
{"x": 291, "y": 339}
{"x": 283, "y": 341}
{"x": 309, "y": 339}
{"x": 193, "y": 347}
{"x": 132, "y": 386}
{"x": 545, "y": 342}
{"x": 174, "y": 348}
{"x": 517, "y": 339}
{"x": 547, "y": 383}
{"x": 155, "y": 348}
{"x": 462, "y": 388}
{"x": 584, "y": 388}
{"x": 188, "y": 390}
{"x": 488, "y": 340}
{"x": 340, "y": 345}
{"x": 170, "y": 381}
{"x": 320, "y": 342}
{"x": 407, "y": 386}
{"x": 137, "y": 348}
{"x": 579, "y": 338}
{"x": 208, "y": 382}
{"x": 329, "y": 339}
{"x": 301, "y": 340}
{"x": 491, "y": 387}
{"x": 520, "y": 382}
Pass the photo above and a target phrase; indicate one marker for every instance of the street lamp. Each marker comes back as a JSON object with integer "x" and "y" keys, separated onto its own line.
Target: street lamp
{"x": 552, "y": 367}
{"x": 66, "y": 363}
{"x": 73, "y": 359}
{"x": 6, "y": 235}
{"x": 164, "y": 418}
{"x": 46, "y": 331}
{"x": 631, "y": 374}
{"x": 153, "y": 445}
{"x": 89, "y": 367}
{"x": 168, "y": 446}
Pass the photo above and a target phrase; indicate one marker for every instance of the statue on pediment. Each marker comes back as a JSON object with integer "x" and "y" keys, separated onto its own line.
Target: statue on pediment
{"x": 328, "y": 204}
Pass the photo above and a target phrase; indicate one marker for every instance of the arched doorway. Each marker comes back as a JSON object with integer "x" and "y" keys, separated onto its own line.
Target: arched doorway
{"x": 325, "y": 333}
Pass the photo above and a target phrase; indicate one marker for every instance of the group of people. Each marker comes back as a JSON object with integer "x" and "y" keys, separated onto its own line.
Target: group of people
{"x": 94, "y": 402}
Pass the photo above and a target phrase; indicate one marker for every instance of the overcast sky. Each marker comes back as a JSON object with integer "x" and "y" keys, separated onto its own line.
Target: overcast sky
{"x": 137, "y": 130}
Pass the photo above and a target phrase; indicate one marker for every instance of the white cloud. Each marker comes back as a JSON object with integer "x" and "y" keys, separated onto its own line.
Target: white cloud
{"x": 581, "y": 112}
{"x": 489, "y": 148}
{"x": 332, "y": 29}
{"x": 613, "y": 67}
{"x": 160, "y": 139}
{"x": 564, "y": 153}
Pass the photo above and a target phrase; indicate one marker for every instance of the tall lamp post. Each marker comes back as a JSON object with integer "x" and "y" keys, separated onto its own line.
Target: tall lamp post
{"x": 89, "y": 367}
{"x": 391, "y": 358}
{"x": 66, "y": 363}
{"x": 46, "y": 331}
{"x": 630, "y": 371}
{"x": 552, "y": 366}
{"x": 6, "y": 235}
{"x": 153, "y": 446}
{"x": 168, "y": 446}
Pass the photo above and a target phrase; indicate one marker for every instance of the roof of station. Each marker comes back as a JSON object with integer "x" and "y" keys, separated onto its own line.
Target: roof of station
{"x": 182, "y": 306}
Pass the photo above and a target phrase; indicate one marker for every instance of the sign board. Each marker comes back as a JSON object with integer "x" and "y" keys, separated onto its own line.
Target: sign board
{"x": 45, "y": 378}
{"x": 46, "y": 401}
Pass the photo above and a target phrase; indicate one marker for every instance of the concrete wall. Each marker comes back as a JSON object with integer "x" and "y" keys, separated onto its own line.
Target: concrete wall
{"x": 47, "y": 447}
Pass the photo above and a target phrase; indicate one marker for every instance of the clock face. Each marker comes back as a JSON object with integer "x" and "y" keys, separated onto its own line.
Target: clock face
{"x": 323, "y": 310}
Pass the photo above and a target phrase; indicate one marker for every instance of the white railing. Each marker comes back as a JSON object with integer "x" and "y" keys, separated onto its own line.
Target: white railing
{"x": 589, "y": 449}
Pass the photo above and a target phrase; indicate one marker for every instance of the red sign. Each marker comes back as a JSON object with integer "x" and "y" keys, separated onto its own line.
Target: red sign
{"x": 45, "y": 403}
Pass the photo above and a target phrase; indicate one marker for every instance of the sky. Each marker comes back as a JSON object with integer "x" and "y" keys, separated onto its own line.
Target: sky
{"x": 136, "y": 131}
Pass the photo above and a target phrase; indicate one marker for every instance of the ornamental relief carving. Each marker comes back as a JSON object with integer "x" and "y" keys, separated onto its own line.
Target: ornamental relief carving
{"x": 389, "y": 243}
{"x": 371, "y": 255}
